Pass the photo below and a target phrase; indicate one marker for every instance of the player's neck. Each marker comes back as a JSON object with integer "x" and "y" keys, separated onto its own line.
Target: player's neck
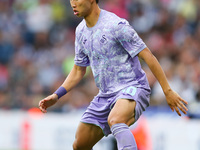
{"x": 93, "y": 16}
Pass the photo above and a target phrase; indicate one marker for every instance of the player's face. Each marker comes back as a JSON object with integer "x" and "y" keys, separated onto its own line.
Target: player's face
{"x": 81, "y": 8}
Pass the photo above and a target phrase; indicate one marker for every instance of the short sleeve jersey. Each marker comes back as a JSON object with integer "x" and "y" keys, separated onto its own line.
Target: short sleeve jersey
{"x": 110, "y": 48}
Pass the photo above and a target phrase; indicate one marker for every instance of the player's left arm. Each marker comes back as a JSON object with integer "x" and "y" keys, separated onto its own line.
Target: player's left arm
{"x": 173, "y": 99}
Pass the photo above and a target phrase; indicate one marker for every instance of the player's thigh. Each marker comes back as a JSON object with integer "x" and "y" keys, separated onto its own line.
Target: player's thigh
{"x": 87, "y": 135}
{"x": 122, "y": 112}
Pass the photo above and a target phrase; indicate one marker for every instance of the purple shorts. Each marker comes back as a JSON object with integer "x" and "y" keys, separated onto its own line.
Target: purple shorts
{"x": 100, "y": 107}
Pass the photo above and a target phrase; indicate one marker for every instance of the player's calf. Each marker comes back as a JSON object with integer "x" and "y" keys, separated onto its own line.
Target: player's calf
{"x": 124, "y": 137}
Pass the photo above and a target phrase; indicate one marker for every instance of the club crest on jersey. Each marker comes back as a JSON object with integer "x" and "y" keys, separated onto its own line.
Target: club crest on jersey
{"x": 103, "y": 39}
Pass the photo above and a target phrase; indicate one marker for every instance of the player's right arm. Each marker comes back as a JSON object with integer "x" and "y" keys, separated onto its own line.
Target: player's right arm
{"x": 70, "y": 82}
{"x": 74, "y": 77}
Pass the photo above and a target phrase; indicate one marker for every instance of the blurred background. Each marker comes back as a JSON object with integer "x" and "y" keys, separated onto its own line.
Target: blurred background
{"x": 37, "y": 52}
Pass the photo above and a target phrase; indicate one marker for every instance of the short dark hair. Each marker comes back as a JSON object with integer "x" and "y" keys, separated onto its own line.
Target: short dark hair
{"x": 97, "y": 1}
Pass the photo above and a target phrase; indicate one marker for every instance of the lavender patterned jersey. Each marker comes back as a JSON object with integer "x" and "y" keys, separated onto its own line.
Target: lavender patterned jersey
{"x": 110, "y": 48}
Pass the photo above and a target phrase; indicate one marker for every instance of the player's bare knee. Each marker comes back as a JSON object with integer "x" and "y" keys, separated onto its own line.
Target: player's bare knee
{"x": 114, "y": 120}
{"x": 131, "y": 121}
{"x": 76, "y": 145}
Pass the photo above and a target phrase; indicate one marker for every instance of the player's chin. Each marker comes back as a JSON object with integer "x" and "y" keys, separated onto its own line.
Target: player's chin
{"x": 79, "y": 15}
{"x": 82, "y": 14}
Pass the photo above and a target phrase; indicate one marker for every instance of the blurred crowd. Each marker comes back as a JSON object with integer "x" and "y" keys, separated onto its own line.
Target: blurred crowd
{"x": 37, "y": 49}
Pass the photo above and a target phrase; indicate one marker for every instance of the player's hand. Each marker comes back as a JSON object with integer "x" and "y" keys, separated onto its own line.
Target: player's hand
{"x": 47, "y": 102}
{"x": 176, "y": 103}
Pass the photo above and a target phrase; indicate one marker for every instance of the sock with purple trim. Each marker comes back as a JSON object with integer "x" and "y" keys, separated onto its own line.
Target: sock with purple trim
{"x": 124, "y": 137}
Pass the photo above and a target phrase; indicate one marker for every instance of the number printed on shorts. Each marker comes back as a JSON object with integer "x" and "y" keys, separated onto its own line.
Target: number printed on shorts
{"x": 130, "y": 90}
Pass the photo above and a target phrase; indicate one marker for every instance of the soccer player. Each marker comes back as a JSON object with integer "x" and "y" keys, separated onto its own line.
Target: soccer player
{"x": 111, "y": 47}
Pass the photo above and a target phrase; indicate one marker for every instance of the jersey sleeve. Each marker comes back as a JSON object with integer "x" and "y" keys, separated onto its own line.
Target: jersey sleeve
{"x": 129, "y": 38}
{"x": 81, "y": 59}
